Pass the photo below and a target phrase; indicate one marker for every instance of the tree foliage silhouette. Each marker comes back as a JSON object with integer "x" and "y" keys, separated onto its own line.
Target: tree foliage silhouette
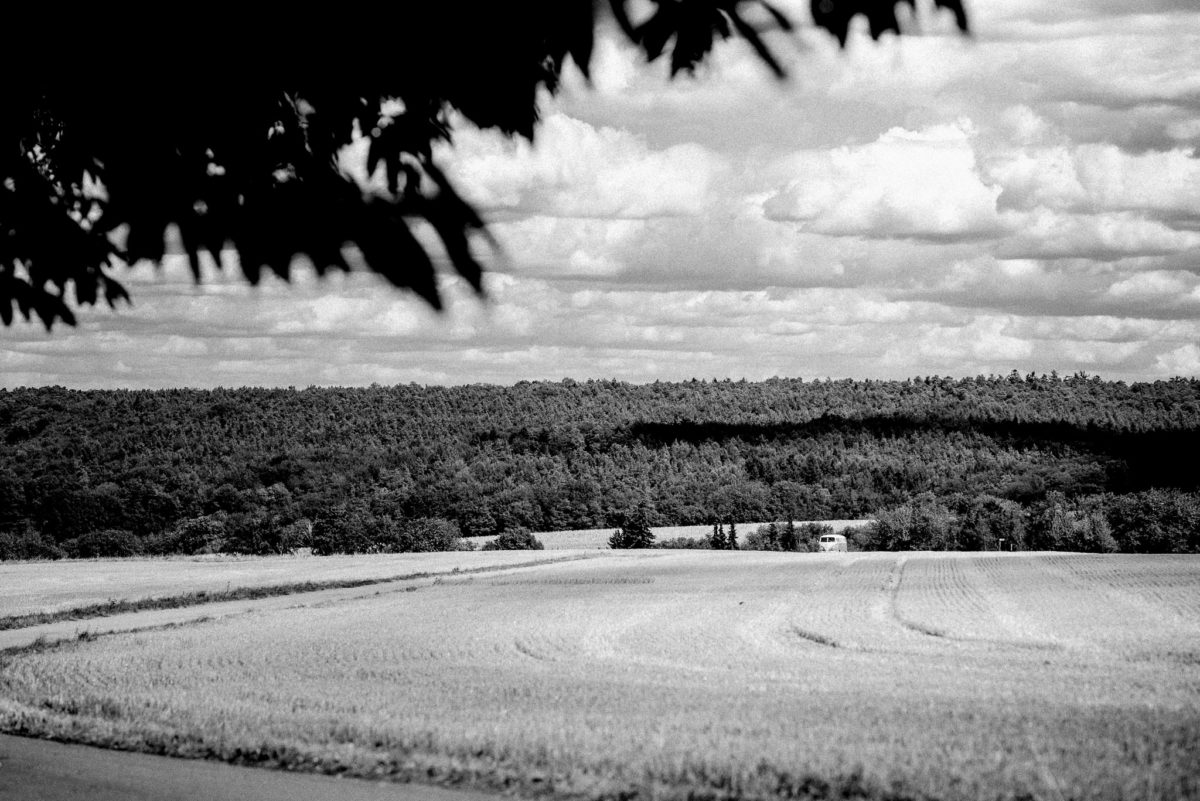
{"x": 230, "y": 131}
{"x": 635, "y": 532}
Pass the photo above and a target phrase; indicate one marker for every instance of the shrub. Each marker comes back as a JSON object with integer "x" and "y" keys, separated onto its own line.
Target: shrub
{"x": 344, "y": 529}
{"x": 192, "y": 536}
{"x": 423, "y": 534}
{"x": 762, "y": 538}
{"x": 107, "y": 542}
{"x": 258, "y": 532}
{"x": 858, "y": 538}
{"x": 28, "y": 543}
{"x": 686, "y": 543}
{"x": 295, "y": 535}
{"x": 516, "y": 539}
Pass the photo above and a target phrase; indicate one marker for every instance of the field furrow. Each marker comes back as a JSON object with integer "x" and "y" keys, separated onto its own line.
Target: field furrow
{"x": 944, "y": 595}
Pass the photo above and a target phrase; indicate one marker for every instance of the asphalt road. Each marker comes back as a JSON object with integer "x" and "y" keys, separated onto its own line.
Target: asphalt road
{"x": 41, "y": 770}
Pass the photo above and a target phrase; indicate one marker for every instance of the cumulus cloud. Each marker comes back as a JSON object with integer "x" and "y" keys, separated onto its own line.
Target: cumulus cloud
{"x": 1106, "y": 237}
{"x": 1029, "y": 199}
{"x": 1163, "y": 292}
{"x": 578, "y": 170}
{"x": 1099, "y": 178}
{"x": 922, "y": 184}
{"x": 1184, "y": 360}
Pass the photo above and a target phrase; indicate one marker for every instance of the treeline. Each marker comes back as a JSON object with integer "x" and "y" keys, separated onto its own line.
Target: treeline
{"x": 782, "y": 536}
{"x": 259, "y": 471}
{"x": 1152, "y": 521}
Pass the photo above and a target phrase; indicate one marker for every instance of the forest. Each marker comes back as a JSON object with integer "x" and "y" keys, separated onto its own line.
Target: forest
{"x": 1038, "y": 461}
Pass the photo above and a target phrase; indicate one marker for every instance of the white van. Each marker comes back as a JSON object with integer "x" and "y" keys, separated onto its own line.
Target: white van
{"x": 832, "y": 542}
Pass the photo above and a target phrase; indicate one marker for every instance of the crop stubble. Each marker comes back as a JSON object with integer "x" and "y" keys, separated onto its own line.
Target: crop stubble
{"x": 960, "y": 676}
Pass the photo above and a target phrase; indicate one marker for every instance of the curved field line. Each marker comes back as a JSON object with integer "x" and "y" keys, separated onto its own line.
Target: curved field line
{"x": 895, "y": 581}
{"x": 813, "y": 637}
{"x": 853, "y": 607}
{"x": 946, "y": 597}
{"x": 937, "y": 590}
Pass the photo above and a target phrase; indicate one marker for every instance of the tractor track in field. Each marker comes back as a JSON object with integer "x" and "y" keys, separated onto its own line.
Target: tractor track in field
{"x": 892, "y": 588}
{"x": 896, "y": 580}
{"x": 814, "y": 637}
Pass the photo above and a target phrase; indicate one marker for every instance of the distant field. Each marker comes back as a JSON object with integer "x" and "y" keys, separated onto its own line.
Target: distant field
{"x": 28, "y": 587}
{"x": 669, "y": 673}
{"x": 598, "y": 537}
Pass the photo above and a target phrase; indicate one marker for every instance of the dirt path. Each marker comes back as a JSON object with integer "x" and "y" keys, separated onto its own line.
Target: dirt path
{"x": 41, "y": 770}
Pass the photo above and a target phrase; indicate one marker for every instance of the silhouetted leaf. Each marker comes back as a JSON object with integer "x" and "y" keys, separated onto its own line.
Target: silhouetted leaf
{"x": 654, "y": 34}
{"x": 751, "y": 36}
{"x": 51, "y": 308}
{"x": 960, "y": 13}
{"x": 114, "y": 291}
{"x": 781, "y": 19}
{"x": 446, "y": 216}
{"x": 391, "y": 250}
{"x": 85, "y": 291}
{"x": 581, "y": 39}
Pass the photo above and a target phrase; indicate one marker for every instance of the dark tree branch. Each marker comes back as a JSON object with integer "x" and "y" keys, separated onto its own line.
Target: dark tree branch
{"x": 105, "y": 143}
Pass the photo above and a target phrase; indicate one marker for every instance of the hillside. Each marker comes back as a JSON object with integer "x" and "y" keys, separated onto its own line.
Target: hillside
{"x": 571, "y": 455}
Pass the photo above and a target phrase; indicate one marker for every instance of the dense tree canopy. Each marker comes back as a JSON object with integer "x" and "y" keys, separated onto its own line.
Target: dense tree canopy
{"x": 230, "y": 131}
{"x": 1032, "y": 460}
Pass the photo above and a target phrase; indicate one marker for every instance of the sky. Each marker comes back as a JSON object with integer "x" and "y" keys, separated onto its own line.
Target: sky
{"x": 1026, "y": 199}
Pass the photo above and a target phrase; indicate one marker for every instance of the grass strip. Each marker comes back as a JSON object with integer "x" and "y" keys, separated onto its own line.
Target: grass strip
{"x": 199, "y": 597}
{"x": 479, "y": 769}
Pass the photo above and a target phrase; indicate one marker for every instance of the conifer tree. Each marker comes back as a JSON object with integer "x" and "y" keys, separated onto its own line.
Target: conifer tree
{"x": 789, "y": 536}
{"x": 717, "y": 540}
{"x": 617, "y": 540}
{"x": 732, "y": 543}
{"x": 635, "y": 533}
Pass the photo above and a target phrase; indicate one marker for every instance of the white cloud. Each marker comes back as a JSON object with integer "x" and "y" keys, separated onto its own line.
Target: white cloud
{"x": 578, "y": 170}
{"x": 1168, "y": 181}
{"x": 569, "y": 247}
{"x": 1108, "y": 236}
{"x": 905, "y": 184}
{"x": 1170, "y": 288}
{"x": 1024, "y": 125}
{"x": 1183, "y": 361}
{"x": 1098, "y": 178}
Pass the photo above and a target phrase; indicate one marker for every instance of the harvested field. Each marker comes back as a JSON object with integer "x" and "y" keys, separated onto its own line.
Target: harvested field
{"x": 48, "y": 587}
{"x": 681, "y": 674}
